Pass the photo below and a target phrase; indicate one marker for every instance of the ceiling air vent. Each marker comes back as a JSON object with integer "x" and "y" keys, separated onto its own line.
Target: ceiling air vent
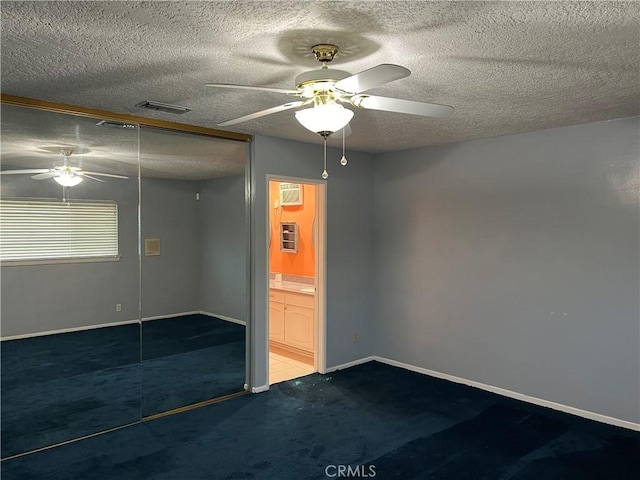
{"x": 163, "y": 107}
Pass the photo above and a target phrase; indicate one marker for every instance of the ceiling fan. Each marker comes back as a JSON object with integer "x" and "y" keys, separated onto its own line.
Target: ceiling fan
{"x": 326, "y": 88}
{"x": 65, "y": 175}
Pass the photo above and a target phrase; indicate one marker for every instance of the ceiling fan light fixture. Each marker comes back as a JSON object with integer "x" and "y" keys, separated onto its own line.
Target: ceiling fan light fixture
{"x": 68, "y": 179}
{"x": 324, "y": 119}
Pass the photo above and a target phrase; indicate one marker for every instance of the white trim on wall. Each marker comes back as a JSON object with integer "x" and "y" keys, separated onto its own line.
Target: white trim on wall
{"x": 500, "y": 391}
{"x": 223, "y": 317}
{"x": 67, "y": 330}
{"x": 342, "y": 366}
{"x": 117, "y": 324}
{"x": 320, "y": 330}
{"x": 260, "y": 389}
{"x": 170, "y": 315}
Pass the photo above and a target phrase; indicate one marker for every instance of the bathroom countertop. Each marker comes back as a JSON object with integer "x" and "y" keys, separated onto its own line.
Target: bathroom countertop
{"x": 293, "y": 287}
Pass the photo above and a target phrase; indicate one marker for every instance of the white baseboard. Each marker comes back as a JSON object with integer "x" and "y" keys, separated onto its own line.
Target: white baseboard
{"x": 196, "y": 312}
{"x": 223, "y": 317}
{"x": 515, "y": 395}
{"x": 117, "y": 324}
{"x": 260, "y": 389}
{"x": 349, "y": 364}
{"x": 169, "y": 315}
{"x": 67, "y": 330}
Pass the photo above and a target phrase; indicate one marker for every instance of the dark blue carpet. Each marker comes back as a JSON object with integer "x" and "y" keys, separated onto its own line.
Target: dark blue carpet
{"x": 60, "y": 387}
{"x": 190, "y": 359}
{"x": 401, "y": 424}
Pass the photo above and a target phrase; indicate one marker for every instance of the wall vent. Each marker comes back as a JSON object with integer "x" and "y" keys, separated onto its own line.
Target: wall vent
{"x": 290, "y": 194}
{"x": 163, "y": 107}
{"x": 151, "y": 247}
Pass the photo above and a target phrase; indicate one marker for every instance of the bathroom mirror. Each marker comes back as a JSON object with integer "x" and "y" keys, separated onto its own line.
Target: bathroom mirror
{"x": 124, "y": 294}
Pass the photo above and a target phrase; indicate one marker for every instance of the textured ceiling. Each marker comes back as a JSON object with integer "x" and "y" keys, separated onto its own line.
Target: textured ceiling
{"x": 506, "y": 67}
{"x": 34, "y": 139}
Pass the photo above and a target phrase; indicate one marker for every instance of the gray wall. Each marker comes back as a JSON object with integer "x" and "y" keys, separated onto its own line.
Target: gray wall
{"x": 202, "y": 265}
{"x": 170, "y": 212}
{"x": 513, "y": 262}
{"x": 349, "y": 244}
{"x": 223, "y": 259}
{"x": 42, "y": 298}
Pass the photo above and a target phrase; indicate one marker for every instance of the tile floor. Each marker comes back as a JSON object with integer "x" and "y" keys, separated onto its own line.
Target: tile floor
{"x": 282, "y": 368}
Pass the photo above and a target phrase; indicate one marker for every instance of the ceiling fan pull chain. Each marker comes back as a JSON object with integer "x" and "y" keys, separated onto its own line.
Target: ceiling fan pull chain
{"x": 343, "y": 160}
{"x": 325, "y": 175}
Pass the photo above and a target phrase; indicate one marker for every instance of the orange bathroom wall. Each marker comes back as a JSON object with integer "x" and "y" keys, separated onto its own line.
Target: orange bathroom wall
{"x": 303, "y": 262}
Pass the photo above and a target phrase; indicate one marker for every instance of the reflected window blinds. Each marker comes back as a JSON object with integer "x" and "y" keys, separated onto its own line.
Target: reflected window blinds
{"x": 33, "y": 229}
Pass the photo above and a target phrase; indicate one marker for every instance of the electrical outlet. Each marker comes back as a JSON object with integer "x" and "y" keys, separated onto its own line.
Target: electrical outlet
{"x": 355, "y": 337}
{"x": 118, "y": 307}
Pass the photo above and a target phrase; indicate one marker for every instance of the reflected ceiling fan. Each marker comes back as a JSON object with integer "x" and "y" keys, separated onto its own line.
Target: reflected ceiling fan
{"x": 65, "y": 175}
{"x": 324, "y": 89}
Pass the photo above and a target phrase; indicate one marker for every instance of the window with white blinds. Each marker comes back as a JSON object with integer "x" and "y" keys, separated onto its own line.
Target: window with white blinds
{"x": 43, "y": 230}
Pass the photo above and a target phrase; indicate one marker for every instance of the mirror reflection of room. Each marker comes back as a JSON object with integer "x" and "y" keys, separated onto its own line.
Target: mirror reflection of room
{"x": 292, "y": 280}
{"x": 193, "y": 267}
{"x": 69, "y": 242}
{"x": 123, "y": 274}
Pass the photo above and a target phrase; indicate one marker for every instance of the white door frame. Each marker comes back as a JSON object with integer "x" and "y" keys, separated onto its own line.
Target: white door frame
{"x": 320, "y": 333}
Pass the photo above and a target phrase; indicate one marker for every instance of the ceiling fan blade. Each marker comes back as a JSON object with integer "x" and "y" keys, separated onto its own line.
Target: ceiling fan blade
{"x": 43, "y": 176}
{"x": 402, "y": 106}
{"x": 374, "y": 77}
{"x": 99, "y": 174}
{"x": 84, "y": 174}
{"x": 263, "y": 113}
{"x": 18, "y": 172}
{"x": 249, "y": 87}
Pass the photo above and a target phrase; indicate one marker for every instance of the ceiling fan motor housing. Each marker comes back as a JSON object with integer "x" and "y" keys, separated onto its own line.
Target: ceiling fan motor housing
{"x": 324, "y": 52}
{"x": 318, "y": 80}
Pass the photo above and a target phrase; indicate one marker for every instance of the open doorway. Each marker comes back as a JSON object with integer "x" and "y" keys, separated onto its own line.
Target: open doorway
{"x": 296, "y": 278}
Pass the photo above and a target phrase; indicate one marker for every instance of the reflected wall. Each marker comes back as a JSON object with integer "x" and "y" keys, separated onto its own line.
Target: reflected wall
{"x": 194, "y": 278}
{"x": 96, "y": 343}
{"x": 70, "y": 356}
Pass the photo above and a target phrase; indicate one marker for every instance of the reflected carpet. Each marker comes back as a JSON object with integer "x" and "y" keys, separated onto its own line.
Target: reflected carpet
{"x": 60, "y": 387}
{"x": 189, "y": 359}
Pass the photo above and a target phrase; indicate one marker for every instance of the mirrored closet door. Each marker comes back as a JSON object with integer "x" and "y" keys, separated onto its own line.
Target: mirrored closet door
{"x": 69, "y": 278}
{"x": 123, "y": 273}
{"x": 194, "y": 268}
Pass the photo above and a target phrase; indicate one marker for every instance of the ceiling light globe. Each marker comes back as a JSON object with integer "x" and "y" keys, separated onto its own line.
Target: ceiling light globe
{"x": 324, "y": 119}
{"x": 68, "y": 179}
